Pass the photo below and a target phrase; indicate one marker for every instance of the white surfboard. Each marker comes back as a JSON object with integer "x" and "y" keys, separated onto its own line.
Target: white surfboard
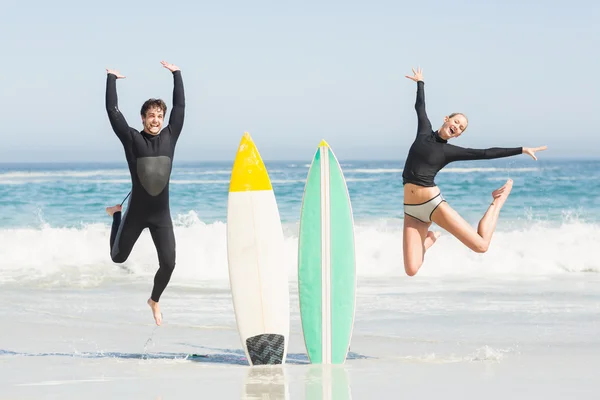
{"x": 257, "y": 272}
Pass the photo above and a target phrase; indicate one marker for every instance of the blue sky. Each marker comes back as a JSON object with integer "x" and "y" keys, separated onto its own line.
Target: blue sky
{"x": 292, "y": 73}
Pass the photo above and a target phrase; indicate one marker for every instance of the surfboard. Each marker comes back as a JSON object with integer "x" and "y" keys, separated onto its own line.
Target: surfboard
{"x": 326, "y": 261}
{"x": 257, "y": 273}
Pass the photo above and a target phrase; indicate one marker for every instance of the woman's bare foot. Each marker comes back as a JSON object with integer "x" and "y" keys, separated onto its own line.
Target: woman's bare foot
{"x": 501, "y": 194}
{"x": 111, "y": 210}
{"x": 430, "y": 239}
{"x": 155, "y": 311}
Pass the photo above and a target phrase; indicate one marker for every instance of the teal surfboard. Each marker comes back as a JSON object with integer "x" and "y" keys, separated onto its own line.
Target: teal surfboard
{"x": 326, "y": 261}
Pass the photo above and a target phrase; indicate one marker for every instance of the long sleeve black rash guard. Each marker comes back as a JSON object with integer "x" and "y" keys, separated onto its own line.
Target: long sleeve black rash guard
{"x": 430, "y": 153}
{"x": 150, "y": 159}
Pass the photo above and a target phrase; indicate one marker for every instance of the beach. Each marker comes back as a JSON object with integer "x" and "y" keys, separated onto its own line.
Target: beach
{"x": 520, "y": 321}
{"x": 442, "y": 337}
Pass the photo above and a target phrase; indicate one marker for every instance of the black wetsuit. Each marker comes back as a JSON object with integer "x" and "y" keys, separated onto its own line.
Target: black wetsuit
{"x": 150, "y": 159}
{"x": 430, "y": 153}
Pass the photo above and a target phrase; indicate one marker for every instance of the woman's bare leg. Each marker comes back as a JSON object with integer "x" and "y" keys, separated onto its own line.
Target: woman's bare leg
{"x": 478, "y": 241}
{"x": 416, "y": 240}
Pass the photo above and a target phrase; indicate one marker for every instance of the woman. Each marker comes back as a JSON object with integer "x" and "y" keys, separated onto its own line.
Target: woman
{"x": 423, "y": 202}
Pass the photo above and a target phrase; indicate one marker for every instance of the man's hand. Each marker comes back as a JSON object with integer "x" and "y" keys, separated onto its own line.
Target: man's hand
{"x": 115, "y": 73}
{"x": 170, "y": 67}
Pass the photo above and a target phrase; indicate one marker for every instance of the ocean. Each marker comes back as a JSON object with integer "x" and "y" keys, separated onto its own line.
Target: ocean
{"x": 524, "y": 315}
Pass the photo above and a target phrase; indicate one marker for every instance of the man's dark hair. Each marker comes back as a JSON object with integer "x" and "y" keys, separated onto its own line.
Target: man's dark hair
{"x": 153, "y": 103}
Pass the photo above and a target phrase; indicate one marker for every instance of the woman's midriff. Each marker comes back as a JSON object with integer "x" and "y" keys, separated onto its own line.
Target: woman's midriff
{"x": 414, "y": 194}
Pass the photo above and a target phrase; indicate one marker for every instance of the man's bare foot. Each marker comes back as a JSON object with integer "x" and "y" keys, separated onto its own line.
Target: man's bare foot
{"x": 501, "y": 194}
{"x": 111, "y": 210}
{"x": 430, "y": 239}
{"x": 156, "y": 311}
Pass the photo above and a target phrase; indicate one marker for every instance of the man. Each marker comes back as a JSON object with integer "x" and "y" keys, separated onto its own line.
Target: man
{"x": 149, "y": 155}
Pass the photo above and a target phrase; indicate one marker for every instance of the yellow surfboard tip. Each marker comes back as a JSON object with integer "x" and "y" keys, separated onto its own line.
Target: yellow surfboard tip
{"x": 249, "y": 172}
{"x": 323, "y": 143}
{"x": 246, "y": 139}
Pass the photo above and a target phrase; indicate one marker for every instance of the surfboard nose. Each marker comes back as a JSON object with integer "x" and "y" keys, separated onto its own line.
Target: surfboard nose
{"x": 249, "y": 172}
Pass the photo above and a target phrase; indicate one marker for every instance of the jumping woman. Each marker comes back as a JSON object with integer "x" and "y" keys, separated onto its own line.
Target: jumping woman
{"x": 423, "y": 201}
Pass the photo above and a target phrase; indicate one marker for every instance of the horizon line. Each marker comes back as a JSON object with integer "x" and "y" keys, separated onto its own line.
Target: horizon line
{"x": 306, "y": 161}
